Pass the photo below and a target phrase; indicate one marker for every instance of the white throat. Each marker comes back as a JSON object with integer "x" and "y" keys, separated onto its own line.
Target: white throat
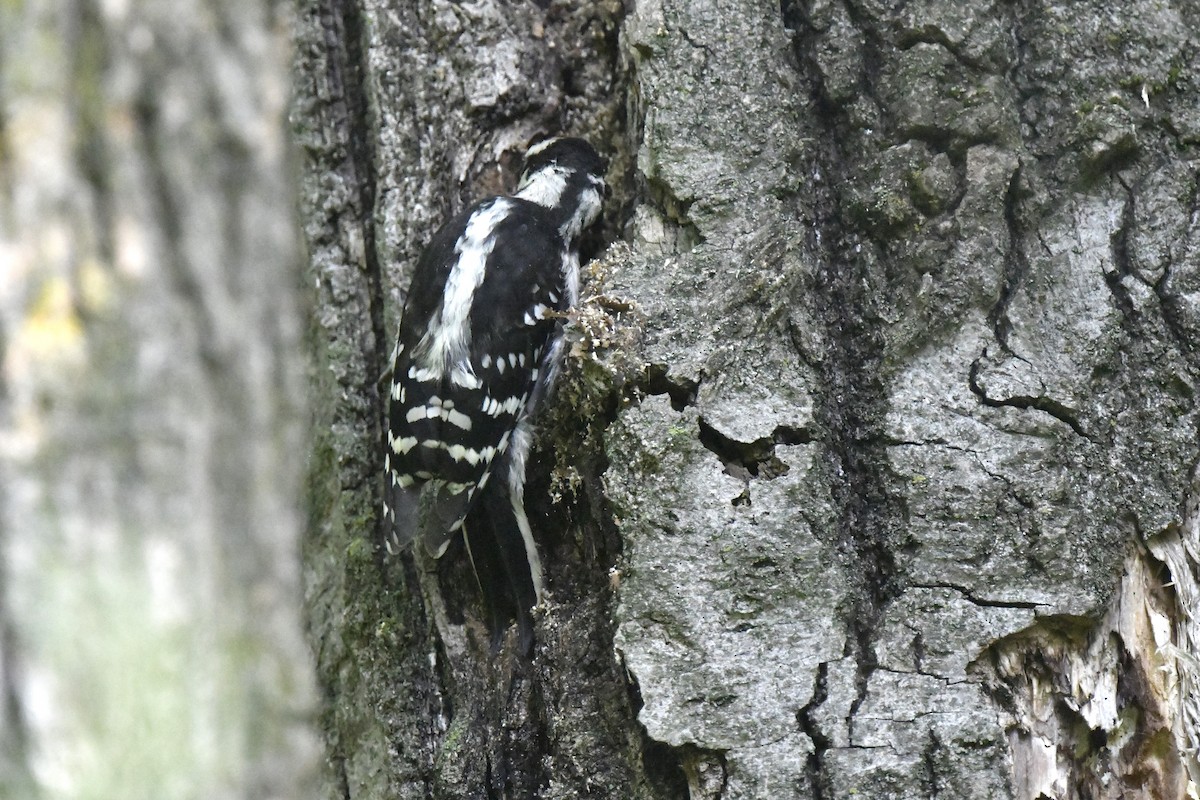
{"x": 545, "y": 187}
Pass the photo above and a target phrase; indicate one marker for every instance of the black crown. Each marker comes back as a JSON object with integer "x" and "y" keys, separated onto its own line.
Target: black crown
{"x": 569, "y": 152}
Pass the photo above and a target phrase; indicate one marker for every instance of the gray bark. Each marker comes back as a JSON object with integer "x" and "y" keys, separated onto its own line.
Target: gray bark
{"x": 153, "y": 440}
{"x": 874, "y": 470}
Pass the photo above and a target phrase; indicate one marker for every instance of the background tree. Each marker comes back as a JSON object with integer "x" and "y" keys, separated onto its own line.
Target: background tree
{"x": 152, "y": 405}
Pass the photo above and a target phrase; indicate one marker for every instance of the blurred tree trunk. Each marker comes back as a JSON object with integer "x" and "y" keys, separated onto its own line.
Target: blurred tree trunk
{"x": 874, "y": 469}
{"x": 16, "y": 779}
{"x": 154, "y": 434}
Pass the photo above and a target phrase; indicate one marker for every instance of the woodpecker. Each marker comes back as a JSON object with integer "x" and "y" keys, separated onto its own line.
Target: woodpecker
{"x": 479, "y": 346}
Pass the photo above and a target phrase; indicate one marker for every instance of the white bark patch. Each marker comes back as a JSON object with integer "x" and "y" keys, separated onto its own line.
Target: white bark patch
{"x": 1178, "y": 637}
{"x": 1089, "y": 702}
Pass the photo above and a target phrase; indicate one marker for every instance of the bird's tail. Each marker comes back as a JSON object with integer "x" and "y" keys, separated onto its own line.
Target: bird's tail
{"x": 506, "y": 561}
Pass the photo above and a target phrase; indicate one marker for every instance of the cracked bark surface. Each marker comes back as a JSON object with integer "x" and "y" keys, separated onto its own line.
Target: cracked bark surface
{"x": 889, "y": 490}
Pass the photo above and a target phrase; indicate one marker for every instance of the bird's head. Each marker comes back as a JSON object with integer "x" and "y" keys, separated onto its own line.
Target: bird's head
{"x": 566, "y": 176}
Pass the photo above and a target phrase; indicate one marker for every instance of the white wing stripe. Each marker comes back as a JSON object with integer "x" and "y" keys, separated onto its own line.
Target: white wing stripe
{"x": 449, "y": 334}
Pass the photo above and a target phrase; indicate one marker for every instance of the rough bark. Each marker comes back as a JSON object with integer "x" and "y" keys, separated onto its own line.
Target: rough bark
{"x": 152, "y": 449}
{"x": 405, "y": 114}
{"x": 875, "y": 466}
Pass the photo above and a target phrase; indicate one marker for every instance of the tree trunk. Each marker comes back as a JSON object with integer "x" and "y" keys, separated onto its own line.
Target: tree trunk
{"x": 874, "y": 469}
{"x": 152, "y": 437}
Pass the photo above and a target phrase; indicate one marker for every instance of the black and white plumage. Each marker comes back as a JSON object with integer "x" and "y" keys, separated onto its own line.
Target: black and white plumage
{"x": 479, "y": 345}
